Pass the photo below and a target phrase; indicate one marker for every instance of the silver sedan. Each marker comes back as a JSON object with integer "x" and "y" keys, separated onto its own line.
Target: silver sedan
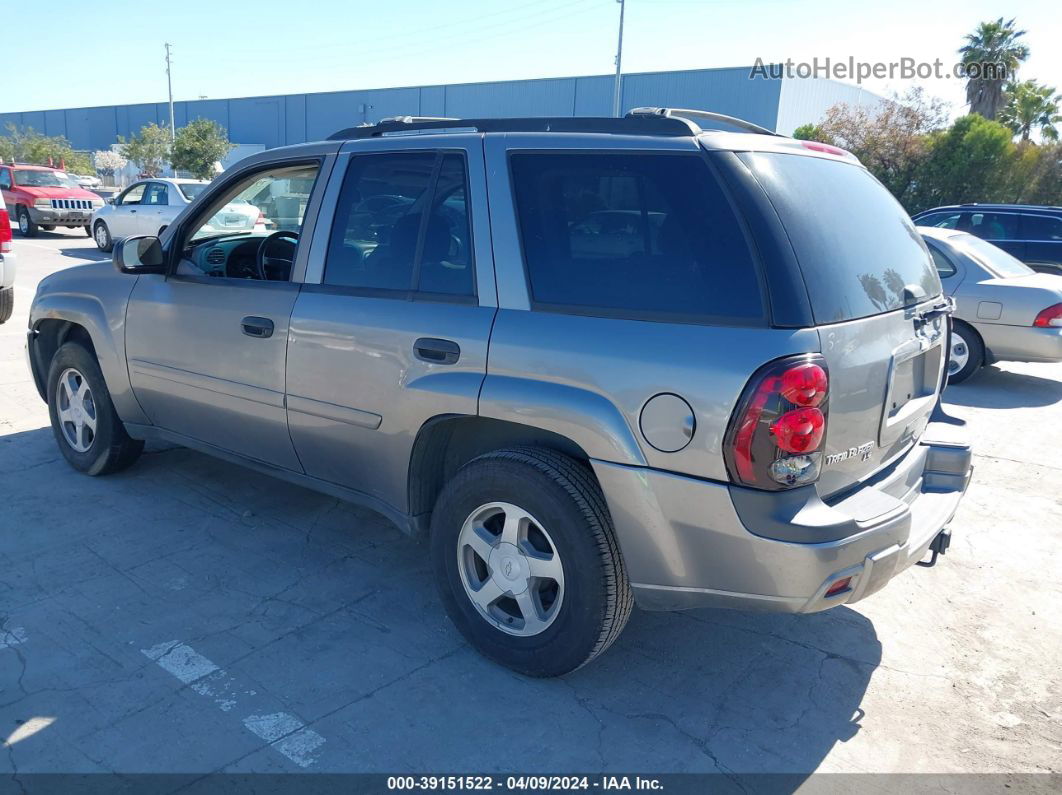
{"x": 1005, "y": 311}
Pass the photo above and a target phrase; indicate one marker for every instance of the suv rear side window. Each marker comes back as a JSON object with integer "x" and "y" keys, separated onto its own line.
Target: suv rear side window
{"x": 633, "y": 235}
{"x": 381, "y": 239}
{"x": 856, "y": 246}
{"x": 1041, "y": 227}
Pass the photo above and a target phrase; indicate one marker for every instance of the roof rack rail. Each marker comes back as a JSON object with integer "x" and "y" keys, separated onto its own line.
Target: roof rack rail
{"x": 630, "y": 125}
{"x": 698, "y": 116}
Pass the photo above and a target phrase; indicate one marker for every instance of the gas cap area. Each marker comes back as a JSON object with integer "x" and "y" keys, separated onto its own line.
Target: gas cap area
{"x": 667, "y": 422}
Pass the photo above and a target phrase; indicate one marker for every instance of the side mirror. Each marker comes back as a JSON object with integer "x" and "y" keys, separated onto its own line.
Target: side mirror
{"x": 137, "y": 255}
{"x": 109, "y": 200}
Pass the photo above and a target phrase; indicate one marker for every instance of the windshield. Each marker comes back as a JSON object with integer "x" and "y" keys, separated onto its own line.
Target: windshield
{"x": 43, "y": 179}
{"x": 191, "y": 189}
{"x": 992, "y": 258}
{"x": 858, "y": 251}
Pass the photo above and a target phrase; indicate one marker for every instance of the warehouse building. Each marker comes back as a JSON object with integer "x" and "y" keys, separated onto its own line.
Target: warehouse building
{"x": 271, "y": 121}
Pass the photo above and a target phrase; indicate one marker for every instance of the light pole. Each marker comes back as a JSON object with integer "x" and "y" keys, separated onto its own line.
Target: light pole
{"x": 169, "y": 90}
{"x": 616, "y": 90}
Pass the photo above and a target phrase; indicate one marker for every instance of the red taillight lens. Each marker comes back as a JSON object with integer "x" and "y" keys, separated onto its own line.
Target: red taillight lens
{"x": 799, "y": 430}
{"x": 778, "y": 427}
{"x": 804, "y": 384}
{"x": 1049, "y": 318}
{"x": 5, "y": 232}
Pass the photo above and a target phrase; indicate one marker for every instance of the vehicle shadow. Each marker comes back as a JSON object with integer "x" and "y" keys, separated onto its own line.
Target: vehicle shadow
{"x": 332, "y": 612}
{"x": 995, "y": 388}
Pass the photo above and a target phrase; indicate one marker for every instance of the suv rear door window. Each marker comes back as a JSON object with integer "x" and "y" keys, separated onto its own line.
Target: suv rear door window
{"x": 1041, "y": 227}
{"x": 648, "y": 236}
{"x": 856, "y": 246}
{"x": 381, "y": 239}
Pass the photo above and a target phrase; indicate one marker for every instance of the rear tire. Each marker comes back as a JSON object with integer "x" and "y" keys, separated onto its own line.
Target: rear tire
{"x": 26, "y": 227}
{"x": 7, "y": 304}
{"x": 580, "y": 598}
{"x": 967, "y": 353}
{"x": 102, "y": 235}
{"x": 87, "y": 429}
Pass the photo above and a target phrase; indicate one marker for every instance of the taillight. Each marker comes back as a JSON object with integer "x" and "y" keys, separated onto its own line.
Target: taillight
{"x": 5, "y": 232}
{"x": 777, "y": 431}
{"x": 1049, "y": 318}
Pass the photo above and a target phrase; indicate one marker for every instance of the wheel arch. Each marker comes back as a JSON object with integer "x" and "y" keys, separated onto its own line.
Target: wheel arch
{"x": 446, "y": 443}
{"x": 60, "y": 317}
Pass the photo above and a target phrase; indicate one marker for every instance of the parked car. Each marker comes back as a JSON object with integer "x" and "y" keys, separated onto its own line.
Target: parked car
{"x": 7, "y": 266}
{"x": 1005, "y": 311}
{"x": 149, "y": 206}
{"x": 40, "y": 197}
{"x": 737, "y": 412}
{"x": 88, "y": 181}
{"x": 1032, "y": 234}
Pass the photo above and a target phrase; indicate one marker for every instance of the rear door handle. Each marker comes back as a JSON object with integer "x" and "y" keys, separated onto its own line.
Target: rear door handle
{"x": 436, "y": 351}
{"x": 260, "y": 327}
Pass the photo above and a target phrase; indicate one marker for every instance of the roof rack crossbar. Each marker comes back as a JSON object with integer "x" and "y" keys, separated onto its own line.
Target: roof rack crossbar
{"x": 699, "y": 116}
{"x": 641, "y": 125}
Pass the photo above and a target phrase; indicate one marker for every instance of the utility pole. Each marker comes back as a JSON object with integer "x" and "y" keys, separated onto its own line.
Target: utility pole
{"x": 616, "y": 91}
{"x": 169, "y": 90}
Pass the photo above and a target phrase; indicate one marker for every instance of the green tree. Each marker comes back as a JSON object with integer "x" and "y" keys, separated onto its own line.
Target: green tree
{"x": 891, "y": 139}
{"x": 149, "y": 149}
{"x": 199, "y": 146}
{"x": 992, "y": 55}
{"x": 971, "y": 161}
{"x": 1029, "y": 106}
{"x": 26, "y": 145}
{"x": 808, "y": 132}
{"x": 1036, "y": 177}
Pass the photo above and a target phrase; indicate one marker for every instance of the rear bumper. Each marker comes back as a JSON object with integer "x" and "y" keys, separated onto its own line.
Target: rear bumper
{"x": 1021, "y": 343}
{"x": 686, "y": 545}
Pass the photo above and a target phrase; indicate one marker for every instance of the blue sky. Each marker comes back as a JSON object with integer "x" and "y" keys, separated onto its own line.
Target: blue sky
{"x": 111, "y": 51}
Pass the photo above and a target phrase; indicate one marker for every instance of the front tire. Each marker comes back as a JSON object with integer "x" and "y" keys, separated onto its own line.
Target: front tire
{"x": 87, "y": 229}
{"x": 967, "y": 353}
{"x": 102, "y": 235}
{"x": 87, "y": 429}
{"x": 26, "y": 226}
{"x": 527, "y": 563}
{"x": 7, "y": 304}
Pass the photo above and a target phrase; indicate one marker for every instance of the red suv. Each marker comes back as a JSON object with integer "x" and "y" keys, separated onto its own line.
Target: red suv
{"x": 39, "y": 197}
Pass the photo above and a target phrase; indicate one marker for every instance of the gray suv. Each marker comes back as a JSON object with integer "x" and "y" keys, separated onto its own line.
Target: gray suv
{"x": 595, "y": 362}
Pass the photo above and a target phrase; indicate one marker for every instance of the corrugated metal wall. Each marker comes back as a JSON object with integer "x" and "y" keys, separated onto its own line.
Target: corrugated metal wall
{"x": 294, "y": 118}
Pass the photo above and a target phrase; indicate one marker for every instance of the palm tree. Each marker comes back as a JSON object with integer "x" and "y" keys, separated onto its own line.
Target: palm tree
{"x": 991, "y": 55}
{"x": 1031, "y": 105}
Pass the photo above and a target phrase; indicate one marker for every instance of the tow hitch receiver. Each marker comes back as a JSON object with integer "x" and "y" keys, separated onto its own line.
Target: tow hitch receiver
{"x": 938, "y": 547}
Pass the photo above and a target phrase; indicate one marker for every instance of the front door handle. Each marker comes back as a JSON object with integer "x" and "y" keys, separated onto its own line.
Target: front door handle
{"x": 436, "y": 351}
{"x": 260, "y": 327}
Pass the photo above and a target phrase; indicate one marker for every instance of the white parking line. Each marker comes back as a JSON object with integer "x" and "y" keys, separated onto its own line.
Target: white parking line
{"x": 284, "y": 732}
{"x": 12, "y": 637}
{"x": 288, "y": 735}
{"x": 182, "y": 661}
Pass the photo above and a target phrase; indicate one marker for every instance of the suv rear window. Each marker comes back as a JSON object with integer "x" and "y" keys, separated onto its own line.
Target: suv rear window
{"x": 856, "y": 246}
{"x": 647, "y": 236}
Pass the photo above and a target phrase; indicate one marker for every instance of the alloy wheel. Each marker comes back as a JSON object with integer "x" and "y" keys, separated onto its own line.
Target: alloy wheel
{"x": 511, "y": 569}
{"x": 76, "y": 410}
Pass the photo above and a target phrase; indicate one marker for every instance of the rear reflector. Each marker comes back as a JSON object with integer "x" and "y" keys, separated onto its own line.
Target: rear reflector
{"x": 1050, "y": 317}
{"x": 839, "y": 587}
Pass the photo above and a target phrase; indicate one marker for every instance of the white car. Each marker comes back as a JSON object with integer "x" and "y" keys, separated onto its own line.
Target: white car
{"x": 147, "y": 207}
{"x": 7, "y": 265}
{"x": 87, "y": 181}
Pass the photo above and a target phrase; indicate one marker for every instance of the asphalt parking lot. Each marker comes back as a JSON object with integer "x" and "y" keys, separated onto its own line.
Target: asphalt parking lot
{"x": 192, "y": 616}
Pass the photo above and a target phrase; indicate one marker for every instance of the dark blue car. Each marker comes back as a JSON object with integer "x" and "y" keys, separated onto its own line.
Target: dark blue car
{"x": 1032, "y": 233}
